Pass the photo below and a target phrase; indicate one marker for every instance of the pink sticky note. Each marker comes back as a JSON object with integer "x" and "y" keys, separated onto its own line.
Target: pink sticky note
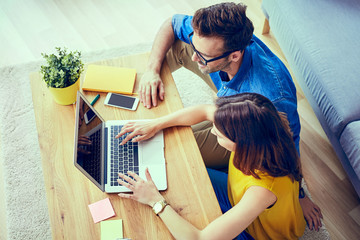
{"x": 101, "y": 210}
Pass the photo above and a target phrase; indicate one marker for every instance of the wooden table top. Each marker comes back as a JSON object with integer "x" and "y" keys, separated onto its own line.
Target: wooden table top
{"x": 69, "y": 192}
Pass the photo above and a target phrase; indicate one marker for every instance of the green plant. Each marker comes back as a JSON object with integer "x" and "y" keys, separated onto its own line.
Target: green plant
{"x": 63, "y": 69}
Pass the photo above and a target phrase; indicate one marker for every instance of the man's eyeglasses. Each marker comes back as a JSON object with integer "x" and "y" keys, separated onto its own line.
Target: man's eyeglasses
{"x": 202, "y": 59}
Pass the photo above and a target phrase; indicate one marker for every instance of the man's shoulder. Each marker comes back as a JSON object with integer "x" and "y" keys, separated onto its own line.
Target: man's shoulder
{"x": 182, "y": 19}
{"x": 182, "y": 26}
{"x": 257, "y": 44}
{"x": 265, "y": 65}
{"x": 263, "y": 58}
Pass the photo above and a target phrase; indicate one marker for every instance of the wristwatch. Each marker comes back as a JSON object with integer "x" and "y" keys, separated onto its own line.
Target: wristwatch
{"x": 159, "y": 206}
{"x": 301, "y": 193}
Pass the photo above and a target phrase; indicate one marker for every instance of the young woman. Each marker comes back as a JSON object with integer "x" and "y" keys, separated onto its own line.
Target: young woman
{"x": 261, "y": 189}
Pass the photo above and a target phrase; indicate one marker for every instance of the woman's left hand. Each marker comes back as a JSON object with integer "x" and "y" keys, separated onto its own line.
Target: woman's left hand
{"x": 143, "y": 191}
{"x": 312, "y": 213}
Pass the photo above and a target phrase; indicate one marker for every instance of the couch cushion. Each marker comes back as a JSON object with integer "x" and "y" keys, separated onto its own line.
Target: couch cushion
{"x": 350, "y": 141}
{"x": 321, "y": 41}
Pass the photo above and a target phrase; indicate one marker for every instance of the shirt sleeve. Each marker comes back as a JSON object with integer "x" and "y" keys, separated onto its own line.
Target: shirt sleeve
{"x": 182, "y": 26}
{"x": 290, "y": 108}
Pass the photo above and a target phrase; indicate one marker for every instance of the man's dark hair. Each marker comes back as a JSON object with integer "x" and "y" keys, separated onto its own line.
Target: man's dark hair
{"x": 225, "y": 20}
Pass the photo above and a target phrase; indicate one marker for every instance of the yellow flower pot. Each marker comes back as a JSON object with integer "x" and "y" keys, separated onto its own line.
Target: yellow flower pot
{"x": 65, "y": 96}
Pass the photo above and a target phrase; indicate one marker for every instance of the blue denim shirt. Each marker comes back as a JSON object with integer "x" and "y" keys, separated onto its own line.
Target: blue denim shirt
{"x": 261, "y": 72}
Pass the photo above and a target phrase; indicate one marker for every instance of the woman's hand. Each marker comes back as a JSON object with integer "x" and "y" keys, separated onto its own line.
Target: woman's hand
{"x": 139, "y": 131}
{"x": 144, "y": 192}
{"x": 83, "y": 140}
{"x": 312, "y": 213}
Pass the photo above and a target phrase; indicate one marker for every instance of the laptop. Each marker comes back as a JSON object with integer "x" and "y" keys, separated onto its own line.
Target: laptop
{"x": 99, "y": 157}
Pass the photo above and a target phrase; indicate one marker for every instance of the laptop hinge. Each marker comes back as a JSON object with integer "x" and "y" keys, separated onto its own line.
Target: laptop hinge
{"x": 105, "y": 154}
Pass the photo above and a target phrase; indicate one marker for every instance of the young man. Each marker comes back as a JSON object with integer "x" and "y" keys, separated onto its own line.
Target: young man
{"x": 218, "y": 45}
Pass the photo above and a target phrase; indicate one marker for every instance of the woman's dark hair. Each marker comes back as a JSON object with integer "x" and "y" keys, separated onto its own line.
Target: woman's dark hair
{"x": 227, "y": 21}
{"x": 262, "y": 135}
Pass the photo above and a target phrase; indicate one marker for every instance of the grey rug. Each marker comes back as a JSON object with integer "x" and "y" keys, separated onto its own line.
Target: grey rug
{"x": 26, "y": 207}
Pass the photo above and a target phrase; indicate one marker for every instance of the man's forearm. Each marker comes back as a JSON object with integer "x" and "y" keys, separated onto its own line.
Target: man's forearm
{"x": 162, "y": 43}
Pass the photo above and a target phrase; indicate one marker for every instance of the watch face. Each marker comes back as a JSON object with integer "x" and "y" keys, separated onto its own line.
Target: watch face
{"x": 157, "y": 207}
{"x": 301, "y": 193}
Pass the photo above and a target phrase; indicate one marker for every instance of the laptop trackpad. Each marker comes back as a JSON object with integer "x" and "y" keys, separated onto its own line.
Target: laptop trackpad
{"x": 152, "y": 152}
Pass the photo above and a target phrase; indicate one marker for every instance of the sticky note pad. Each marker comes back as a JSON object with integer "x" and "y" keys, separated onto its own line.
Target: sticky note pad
{"x": 111, "y": 229}
{"x": 101, "y": 210}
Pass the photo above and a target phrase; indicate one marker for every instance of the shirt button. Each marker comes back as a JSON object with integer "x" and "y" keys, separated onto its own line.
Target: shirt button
{"x": 224, "y": 87}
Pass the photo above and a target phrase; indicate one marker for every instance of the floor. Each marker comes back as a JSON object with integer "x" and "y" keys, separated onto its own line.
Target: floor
{"x": 30, "y": 27}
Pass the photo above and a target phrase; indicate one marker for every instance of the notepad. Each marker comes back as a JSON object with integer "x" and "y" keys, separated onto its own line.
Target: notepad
{"x": 101, "y": 210}
{"x": 111, "y": 229}
{"x": 102, "y": 78}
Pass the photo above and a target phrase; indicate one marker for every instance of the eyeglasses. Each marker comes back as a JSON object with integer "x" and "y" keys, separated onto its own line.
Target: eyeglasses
{"x": 202, "y": 59}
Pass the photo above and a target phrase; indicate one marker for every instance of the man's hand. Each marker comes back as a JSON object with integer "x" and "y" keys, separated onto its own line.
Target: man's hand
{"x": 150, "y": 86}
{"x": 312, "y": 213}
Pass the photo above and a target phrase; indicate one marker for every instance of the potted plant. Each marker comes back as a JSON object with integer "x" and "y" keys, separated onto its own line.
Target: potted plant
{"x": 62, "y": 74}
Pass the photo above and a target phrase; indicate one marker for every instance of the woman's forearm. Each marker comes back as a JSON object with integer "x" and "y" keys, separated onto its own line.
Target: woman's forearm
{"x": 187, "y": 116}
{"x": 178, "y": 226}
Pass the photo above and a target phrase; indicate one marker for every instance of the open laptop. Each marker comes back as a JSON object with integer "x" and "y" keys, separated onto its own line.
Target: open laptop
{"x": 99, "y": 157}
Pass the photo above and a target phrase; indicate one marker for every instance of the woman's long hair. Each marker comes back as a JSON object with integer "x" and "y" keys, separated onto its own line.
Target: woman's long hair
{"x": 262, "y": 135}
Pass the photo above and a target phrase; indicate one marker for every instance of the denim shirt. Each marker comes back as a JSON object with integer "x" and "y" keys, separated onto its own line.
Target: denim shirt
{"x": 261, "y": 72}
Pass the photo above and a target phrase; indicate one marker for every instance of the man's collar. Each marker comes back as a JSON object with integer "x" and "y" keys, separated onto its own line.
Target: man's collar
{"x": 237, "y": 80}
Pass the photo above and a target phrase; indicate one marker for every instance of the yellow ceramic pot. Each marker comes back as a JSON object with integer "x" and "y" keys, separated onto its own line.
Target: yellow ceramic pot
{"x": 65, "y": 96}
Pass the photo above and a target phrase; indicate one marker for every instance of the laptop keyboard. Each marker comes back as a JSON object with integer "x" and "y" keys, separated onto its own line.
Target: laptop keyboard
{"x": 123, "y": 158}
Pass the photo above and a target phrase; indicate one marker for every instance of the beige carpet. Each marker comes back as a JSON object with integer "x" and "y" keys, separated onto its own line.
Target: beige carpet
{"x": 26, "y": 208}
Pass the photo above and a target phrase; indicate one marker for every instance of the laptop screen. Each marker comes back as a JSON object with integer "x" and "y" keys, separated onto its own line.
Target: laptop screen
{"x": 88, "y": 142}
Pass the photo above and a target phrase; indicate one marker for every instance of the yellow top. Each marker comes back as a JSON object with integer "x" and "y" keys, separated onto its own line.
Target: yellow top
{"x": 285, "y": 219}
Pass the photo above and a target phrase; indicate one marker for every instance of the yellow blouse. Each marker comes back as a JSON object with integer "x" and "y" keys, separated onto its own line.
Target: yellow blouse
{"x": 285, "y": 219}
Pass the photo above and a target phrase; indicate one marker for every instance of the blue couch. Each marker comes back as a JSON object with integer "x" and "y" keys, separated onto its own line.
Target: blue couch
{"x": 321, "y": 41}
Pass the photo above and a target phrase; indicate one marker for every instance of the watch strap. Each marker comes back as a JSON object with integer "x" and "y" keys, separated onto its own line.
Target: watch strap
{"x": 301, "y": 193}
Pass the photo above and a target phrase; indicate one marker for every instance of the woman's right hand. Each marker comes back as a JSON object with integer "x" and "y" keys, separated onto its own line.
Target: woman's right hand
{"x": 139, "y": 131}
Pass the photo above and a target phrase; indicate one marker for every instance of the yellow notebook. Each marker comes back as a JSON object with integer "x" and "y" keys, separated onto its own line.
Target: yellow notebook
{"x": 102, "y": 78}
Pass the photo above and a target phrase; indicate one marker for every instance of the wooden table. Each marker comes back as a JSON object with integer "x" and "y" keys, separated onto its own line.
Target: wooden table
{"x": 69, "y": 192}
